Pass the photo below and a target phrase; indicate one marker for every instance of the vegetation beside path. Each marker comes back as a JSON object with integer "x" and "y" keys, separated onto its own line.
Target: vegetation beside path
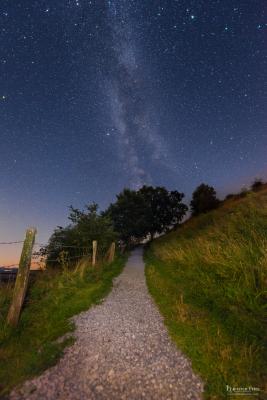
{"x": 52, "y": 299}
{"x": 209, "y": 279}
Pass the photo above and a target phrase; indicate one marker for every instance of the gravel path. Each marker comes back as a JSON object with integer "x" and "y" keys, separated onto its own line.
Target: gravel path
{"x": 122, "y": 351}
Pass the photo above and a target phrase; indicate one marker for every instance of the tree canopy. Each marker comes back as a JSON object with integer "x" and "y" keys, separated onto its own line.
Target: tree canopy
{"x": 147, "y": 211}
{"x": 76, "y": 238}
{"x": 203, "y": 199}
{"x": 135, "y": 215}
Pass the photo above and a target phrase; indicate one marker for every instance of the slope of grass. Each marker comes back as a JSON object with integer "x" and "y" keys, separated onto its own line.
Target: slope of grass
{"x": 209, "y": 279}
{"x": 51, "y": 300}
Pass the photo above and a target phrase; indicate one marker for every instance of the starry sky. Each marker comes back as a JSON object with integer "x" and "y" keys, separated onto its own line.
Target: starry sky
{"x": 100, "y": 95}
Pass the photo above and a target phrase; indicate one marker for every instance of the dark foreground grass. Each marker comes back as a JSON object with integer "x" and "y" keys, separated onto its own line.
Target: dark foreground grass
{"x": 209, "y": 279}
{"x": 52, "y": 299}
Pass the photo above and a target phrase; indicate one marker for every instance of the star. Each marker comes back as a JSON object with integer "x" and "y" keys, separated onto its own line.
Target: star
{"x": 173, "y": 90}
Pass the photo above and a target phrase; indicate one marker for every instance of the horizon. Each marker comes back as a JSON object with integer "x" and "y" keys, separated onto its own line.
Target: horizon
{"x": 13, "y": 251}
{"x": 98, "y": 97}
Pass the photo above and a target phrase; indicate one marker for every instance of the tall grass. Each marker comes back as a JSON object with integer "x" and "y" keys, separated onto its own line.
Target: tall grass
{"x": 210, "y": 280}
{"x": 52, "y": 299}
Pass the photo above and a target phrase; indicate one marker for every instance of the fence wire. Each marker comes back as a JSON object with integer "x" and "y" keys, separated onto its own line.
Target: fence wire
{"x": 101, "y": 252}
{"x": 19, "y": 241}
{"x": 70, "y": 258}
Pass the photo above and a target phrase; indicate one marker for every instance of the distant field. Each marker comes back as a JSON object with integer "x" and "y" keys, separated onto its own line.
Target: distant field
{"x": 209, "y": 279}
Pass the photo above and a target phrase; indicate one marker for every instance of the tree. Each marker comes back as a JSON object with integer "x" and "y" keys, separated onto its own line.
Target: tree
{"x": 150, "y": 210}
{"x": 257, "y": 185}
{"x": 76, "y": 239}
{"x": 164, "y": 209}
{"x": 203, "y": 199}
{"x": 128, "y": 215}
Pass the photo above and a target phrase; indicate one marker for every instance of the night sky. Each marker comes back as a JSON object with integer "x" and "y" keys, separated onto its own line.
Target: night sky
{"x": 99, "y": 95}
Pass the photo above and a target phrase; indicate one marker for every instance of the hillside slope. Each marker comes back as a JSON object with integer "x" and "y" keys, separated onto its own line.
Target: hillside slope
{"x": 209, "y": 280}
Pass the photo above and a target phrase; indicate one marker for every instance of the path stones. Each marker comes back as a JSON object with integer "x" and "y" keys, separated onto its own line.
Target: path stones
{"x": 122, "y": 351}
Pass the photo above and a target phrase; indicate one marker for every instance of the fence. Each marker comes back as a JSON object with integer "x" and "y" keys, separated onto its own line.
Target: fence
{"x": 22, "y": 273}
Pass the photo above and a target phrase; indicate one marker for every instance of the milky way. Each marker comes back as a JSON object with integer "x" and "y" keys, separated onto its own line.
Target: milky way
{"x": 131, "y": 111}
{"x": 98, "y": 95}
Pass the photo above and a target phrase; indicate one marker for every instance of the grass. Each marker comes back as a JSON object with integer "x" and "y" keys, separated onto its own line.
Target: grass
{"x": 209, "y": 279}
{"x": 51, "y": 300}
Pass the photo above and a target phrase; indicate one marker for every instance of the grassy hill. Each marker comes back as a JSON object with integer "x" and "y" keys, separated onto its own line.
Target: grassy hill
{"x": 209, "y": 279}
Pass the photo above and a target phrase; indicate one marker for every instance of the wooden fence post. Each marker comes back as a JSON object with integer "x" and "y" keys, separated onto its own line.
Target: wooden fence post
{"x": 22, "y": 278}
{"x": 111, "y": 252}
{"x": 94, "y": 252}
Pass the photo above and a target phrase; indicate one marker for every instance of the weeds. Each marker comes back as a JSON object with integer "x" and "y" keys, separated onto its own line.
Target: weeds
{"x": 210, "y": 281}
{"x": 51, "y": 300}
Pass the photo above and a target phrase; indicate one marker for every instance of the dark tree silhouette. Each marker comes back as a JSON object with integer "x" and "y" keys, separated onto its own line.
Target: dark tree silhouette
{"x": 164, "y": 209}
{"x": 257, "y": 185}
{"x": 76, "y": 238}
{"x": 148, "y": 211}
{"x": 128, "y": 215}
{"x": 203, "y": 199}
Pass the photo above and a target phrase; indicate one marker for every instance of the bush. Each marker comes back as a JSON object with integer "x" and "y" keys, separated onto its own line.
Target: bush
{"x": 243, "y": 193}
{"x": 229, "y": 196}
{"x": 67, "y": 245}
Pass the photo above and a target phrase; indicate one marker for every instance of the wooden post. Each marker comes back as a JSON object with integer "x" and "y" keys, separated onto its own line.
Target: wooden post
{"x": 22, "y": 279}
{"x": 111, "y": 252}
{"x": 94, "y": 252}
